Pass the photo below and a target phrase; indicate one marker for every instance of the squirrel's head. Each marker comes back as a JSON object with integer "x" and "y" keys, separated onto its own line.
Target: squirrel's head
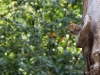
{"x": 71, "y": 26}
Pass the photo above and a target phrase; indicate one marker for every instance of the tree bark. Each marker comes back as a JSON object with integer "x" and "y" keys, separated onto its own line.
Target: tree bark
{"x": 89, "y": 39}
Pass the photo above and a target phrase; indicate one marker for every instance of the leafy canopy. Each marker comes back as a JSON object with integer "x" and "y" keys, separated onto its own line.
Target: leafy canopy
{"x": 34, "y": 39}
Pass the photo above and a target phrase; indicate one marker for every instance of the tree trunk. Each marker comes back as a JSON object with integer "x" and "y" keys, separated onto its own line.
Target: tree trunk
{"x": 89, "y": 39}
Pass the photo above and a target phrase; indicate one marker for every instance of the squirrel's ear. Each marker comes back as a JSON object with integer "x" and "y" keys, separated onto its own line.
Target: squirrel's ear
{"x": 70, "y": 22}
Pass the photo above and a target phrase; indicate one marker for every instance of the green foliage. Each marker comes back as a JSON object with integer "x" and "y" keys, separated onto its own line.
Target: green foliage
{"x": 34, "y": 39}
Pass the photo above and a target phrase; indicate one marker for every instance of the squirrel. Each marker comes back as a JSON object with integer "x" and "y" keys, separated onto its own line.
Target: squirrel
{"x": 74, "y": 28}
{"x": 82, "y": 32}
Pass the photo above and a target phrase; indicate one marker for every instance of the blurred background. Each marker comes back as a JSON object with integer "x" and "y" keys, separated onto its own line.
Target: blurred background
{"x": 34, "y": 39}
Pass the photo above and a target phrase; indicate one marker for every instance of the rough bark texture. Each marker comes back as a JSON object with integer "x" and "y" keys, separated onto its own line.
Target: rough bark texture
{"x": 89, "y": 39}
